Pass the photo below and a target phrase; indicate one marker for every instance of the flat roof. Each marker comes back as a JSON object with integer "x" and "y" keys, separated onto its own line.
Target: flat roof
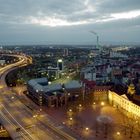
{"x": 72, "y": 84}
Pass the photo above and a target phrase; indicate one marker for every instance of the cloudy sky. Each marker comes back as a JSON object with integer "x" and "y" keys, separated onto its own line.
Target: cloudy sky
{"x": 69, "y": 21}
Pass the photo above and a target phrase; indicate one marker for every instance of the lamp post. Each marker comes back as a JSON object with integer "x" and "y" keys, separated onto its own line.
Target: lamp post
{"x": 87, "y": 129}
{"x": 79, "y": 107}
{"x": 102, "y": 103}
{"x": 71, "y": 121}
{"x": 35, "y": 118}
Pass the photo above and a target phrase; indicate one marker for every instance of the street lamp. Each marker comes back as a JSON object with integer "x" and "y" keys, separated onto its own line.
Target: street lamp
{"x": 87, "y": 129}
{"x": 102, "y": 103}
{"x": 71, "y": 118}
{"x": 80, "y": 107}
{"x": 94, "y": 106}
{"x": 86, "y": 132}
{"x": 70, "y": 113}
{"x": 35, "y": 117}
{"x": 118, "y": 133}
{"x": 63, "y": 123}
{"x": 12, "y": 97}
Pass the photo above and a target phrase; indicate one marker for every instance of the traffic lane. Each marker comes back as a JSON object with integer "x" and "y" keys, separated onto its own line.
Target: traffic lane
{"x": 13, "y": 124}
{"x": 9, "y": 70}
{"x": 27, "y": 120}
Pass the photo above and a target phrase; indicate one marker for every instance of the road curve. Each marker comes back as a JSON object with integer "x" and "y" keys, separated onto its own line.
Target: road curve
{"x": 16, "y": 116}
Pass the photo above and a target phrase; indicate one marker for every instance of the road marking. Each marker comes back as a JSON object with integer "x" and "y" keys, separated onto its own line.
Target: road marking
{"x": 21, "y": 135}
{"x": 18, "y": 122}
{"x": 60, "y": 127}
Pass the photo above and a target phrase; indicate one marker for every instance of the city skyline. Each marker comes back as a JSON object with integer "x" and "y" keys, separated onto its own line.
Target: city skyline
{"x": 69, "y": 22}
{"x": 70, "y": 93}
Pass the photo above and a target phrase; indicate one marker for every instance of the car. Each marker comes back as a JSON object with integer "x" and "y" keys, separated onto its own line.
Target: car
{"x": 18, "y": 129}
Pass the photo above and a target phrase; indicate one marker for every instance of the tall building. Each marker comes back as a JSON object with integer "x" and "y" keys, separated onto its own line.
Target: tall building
{"x": 60, "y": 64}
{"x": 66, "y": 52}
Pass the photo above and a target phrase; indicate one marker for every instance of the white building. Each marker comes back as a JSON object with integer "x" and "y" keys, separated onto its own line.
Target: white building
{"x": 2, "y": 62}
{"x": 122, "y": 102}
{"x": 117, "y": 54}
{"x": 89, "y": 73}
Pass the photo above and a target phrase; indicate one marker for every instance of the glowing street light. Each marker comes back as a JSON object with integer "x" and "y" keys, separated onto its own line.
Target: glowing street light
{"x": 12, "y": 97}
{"x": 102, "y": 103}
{"x": 87, "y": 129}
{"x": 70, "y": 112}
{"x": 63, "y": 123}
{"x": 118, "y": 133}
{"x": 71, "y": 118}
{"x": 35, "y": 116}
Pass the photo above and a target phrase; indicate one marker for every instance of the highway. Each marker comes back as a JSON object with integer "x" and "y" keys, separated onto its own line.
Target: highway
{"x": 18, "y": 119}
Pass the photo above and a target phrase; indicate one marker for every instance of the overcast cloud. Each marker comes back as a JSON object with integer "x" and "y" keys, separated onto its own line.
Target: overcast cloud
{"x": 69, "y": 21}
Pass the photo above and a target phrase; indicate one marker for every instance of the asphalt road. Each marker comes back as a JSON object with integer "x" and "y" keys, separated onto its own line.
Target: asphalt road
{"x": 20, "y": 122}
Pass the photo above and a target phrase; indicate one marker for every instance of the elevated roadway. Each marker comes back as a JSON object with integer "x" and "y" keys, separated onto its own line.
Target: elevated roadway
{"x": 18, "y": 119}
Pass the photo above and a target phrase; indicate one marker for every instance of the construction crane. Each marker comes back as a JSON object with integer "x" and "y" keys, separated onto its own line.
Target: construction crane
{"x": 97, "y": 43}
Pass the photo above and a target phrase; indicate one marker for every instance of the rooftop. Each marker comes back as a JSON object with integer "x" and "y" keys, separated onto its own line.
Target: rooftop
{"x": 73, "y": 84}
